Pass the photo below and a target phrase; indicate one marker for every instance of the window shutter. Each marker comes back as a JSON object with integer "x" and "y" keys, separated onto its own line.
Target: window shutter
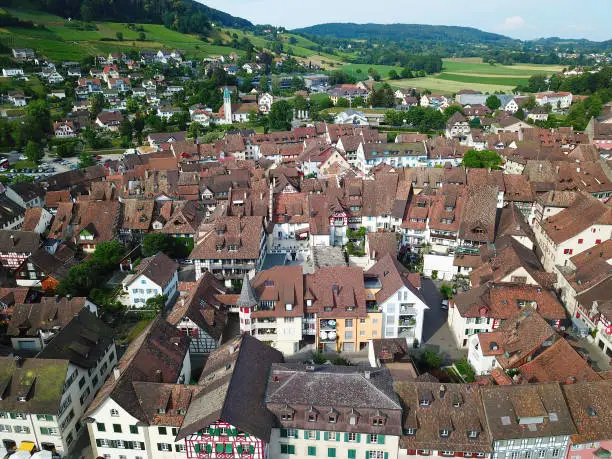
{"x": 346, "y": 437}
{"x": 368, "y": 439}
{"x": 142, "y": 445}
{"x": 367, "y": 455}
{"x": 211, "y": 431}
{"x": 386, "y": 455}
{"x": 239, "y": 449}
{"x": 283, "y": 433}
{"x": 217, "y": 432}
{"x": 252, "y": 449}
{"x": 291, "y": 449}
{"x": 325, "y": 436}
{"x": 229, "y": 448}
{"x": 219, "y": 448}
{"x": 297, "y": 434}
{"x": 234, "y": 432}
{"x": 177, "y": 448}
{"x": 159, "y": 447}
{"x": 381, "y": 439}
{"x": 358, "y": 438}
{"x": 98, "y": 442}
{"x": 318, "y": 435}
{"x": 197, "y": 448}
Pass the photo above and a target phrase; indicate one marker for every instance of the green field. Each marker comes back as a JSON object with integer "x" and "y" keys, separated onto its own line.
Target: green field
{"x": 383, "y": 70}
{"x": 472, "y": 73}
{"x": 60, "y": 42}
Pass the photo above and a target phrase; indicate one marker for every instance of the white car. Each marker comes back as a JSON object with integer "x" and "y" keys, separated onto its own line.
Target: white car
{"x": 23, "y": 157}
{"x": 444, "y": 304}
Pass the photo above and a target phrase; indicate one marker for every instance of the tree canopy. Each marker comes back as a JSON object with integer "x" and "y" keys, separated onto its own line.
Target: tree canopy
{"x": 483, "y": 159}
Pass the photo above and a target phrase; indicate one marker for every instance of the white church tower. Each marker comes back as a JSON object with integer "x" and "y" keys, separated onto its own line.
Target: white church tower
{"x": 227, "y": 106}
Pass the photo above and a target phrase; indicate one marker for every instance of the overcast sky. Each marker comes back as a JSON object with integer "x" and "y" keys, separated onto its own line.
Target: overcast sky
{"x": 523, "y": 19}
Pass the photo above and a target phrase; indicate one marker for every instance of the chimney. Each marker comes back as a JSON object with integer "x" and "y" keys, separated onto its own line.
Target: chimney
{"x": 367, "y": 374}
{"x": 13, "y": 243}
{"x": 18, "y": 361}
{"x": 442, "y": 391}
{"x": 116, "y": 373}
{"x": 158, "y": 376}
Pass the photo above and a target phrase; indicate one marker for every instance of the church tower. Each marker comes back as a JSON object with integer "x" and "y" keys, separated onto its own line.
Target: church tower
{"x": 227, "y": 106}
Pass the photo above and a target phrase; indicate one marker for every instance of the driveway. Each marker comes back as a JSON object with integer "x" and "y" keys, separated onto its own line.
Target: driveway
{"x": 437, "y": 335}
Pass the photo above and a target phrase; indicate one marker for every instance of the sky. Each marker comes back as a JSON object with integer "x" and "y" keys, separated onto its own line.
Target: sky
{"x": 524, "y": 19}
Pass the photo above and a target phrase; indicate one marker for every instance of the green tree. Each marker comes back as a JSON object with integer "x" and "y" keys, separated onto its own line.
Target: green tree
{"x": 530, "y": 103}
{"x": 33, "y": 151}
{"x": 108, "y": 255}
{"x": 342, "y": 102}
{"x": 119, "y": 36}
{"x": 446, "y": 291}
{"x": 264, "y": 84}
{"x": 358, "y": 101}
{"x": 481, "y": 159}
{"x": 156, "y": 242}
{"x": 431, "y": 360}
{"x": 97, "y": 104}
{"x": 393, "y": 75}
{"x": 451, "y": 110}
{"x": 280, "y": 116}
{"x": 86, "y": 160}
{"x": 142, "y": 36}
{"x": 493, "y": 102}
{"x": 125, "y": 128}
{"x": 475, "y": 123}
{"x": 131, "y": 105}
{"x": 37, "y": 122}
{"x": 374, "y": 74}
{"x": 157, "y": 303}
{"x": 520, "y": 114}
{"x": 406, "y": 72}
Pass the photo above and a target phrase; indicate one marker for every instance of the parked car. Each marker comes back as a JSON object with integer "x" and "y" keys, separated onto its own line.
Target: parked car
{"x": 97, "y": 157}
{"x": 22, "y": 157}
{"x": 444, "y": 304}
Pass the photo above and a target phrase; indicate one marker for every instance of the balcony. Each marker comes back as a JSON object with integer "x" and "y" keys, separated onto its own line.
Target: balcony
{"x": 265, "y": 333}
{"x": 406, "y": 322}
{"x": 328, "y": 337}
{"x": 407, "y": 310}
{"x": 327, "y": 325}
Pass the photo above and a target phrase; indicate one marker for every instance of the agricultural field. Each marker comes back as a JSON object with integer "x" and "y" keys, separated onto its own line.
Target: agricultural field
{"x": 473, "y": 74}
{"x": 61, "y": 41}
{"x": 383, "y": 70}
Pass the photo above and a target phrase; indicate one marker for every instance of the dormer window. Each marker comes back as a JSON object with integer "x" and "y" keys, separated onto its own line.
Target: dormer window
{"x": 308, "y": 303}
{"x": 161, "y": 411}
{"x": 424, "y": 402}
{"x": 311, "y": 415}
{"x": 114, "y": 413}
{"x": 287, "y": 416}
{"x": 444, "y": 433}
{"x": 410, "y": 431}
{"x": 22, "y": 398}
{"x": 288, "y": 307}
{"x": 473, "y": 433}
{"x": 181, "y": 411}
{"x": 378, "y": 421}
{"x": 350, "y": 308}
{"x": 332, "y": 418}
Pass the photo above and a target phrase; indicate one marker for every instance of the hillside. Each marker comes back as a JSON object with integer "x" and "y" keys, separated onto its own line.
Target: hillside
{"x": 57, "y": 39}
{"x": 402, "y": 32}
{"x": 186, "y": 16}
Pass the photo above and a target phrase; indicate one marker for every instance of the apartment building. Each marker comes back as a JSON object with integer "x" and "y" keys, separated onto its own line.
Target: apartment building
{"x": 228, "y": 417}
{"x": 32, "y": 326}
{"x": 442, "y": 420}
{"x": 528, "y": 421}
{"x": 271, "y": 308}
{"x": 393, "y": 291}
{"x": 585, "y": 223}
{"x": 235, "y": 246}
{"x": 590, "y": 409}
{"x": 44, "y": 398}
{"x": 335, "y": 301}
{"x": 485, "y": 308}
{"x": 334, "y": 412}
{"x": 147, "y": 386}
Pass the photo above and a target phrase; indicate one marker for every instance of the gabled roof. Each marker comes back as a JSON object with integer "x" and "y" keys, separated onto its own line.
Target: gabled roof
{"x": 83, "y": 341}
{"x": 156, "y": 355}
{"x": 232, "y": 389}
{"x": 159, "y": 268}
{"x": 19, "y": 241}
{"x": 393, "y": 276}
{"x": 40, "y": 381}
{"x": 589, "y": 405}
{"x": 202, "y": 307}
{"x": 50, "y": 313}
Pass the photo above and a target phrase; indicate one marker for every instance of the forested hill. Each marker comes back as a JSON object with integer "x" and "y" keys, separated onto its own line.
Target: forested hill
{"x": 402, "y": 32}
{"x": 186, "y": 16}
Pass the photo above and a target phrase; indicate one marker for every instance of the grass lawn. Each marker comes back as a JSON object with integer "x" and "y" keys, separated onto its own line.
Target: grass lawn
{"x": 477, "y": 67}
{"x": 24, "y": 164}
{"x": 442, "y": 86}
{"x": 484, "y": 79}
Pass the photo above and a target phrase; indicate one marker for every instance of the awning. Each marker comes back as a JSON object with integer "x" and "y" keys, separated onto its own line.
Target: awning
{"x": 26, "y": 446}
{"x": 602, "y": 453}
